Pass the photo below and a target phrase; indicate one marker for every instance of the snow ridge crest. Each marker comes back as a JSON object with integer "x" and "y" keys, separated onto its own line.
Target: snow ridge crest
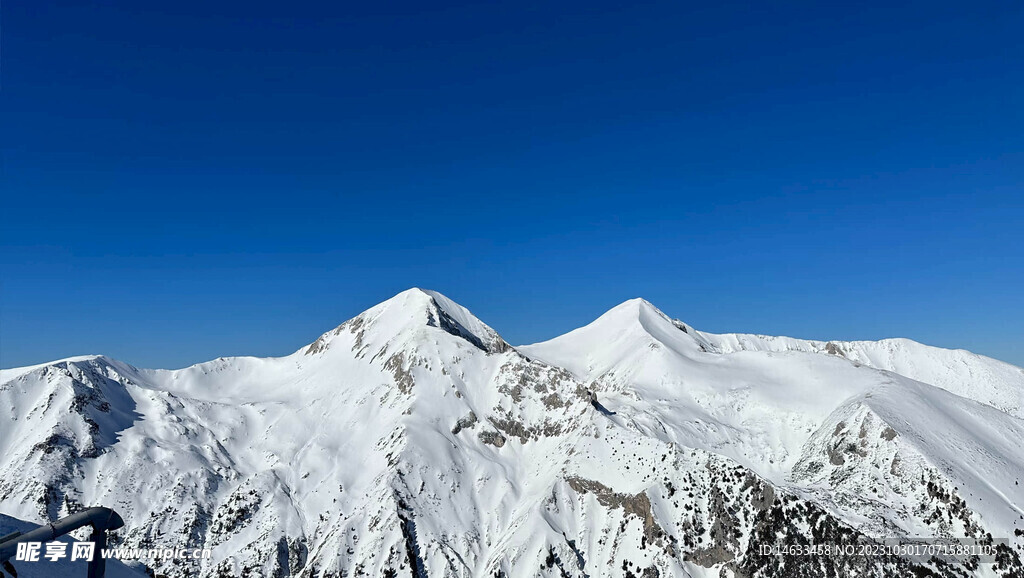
{"x": 404, "y": 317}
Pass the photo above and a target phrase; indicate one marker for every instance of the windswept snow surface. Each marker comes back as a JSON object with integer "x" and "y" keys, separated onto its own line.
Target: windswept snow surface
{"x": 412, "y": 440}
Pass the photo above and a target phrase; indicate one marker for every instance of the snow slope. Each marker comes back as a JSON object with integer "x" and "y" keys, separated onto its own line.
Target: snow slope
{"x": 780, "y": 406}
{"x": 413, "y": 440}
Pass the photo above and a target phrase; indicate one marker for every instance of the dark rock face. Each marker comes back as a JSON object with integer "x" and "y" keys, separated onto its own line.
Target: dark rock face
{"x": 834, "y": 349}
{"x": 403, "y": 376}
{"x": 635, "y": 505}
{"x": 777, "y": 527}
{"x": 492, "y": 438}
{"x": 464, "y": 423}
{"x": 438, "y": 317}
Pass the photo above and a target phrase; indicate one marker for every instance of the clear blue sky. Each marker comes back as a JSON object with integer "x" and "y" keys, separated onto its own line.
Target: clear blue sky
{"x": 187, "y": 180}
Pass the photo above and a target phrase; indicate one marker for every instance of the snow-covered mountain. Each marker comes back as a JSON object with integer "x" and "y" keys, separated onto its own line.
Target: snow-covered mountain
{"x": 412, "y": 440}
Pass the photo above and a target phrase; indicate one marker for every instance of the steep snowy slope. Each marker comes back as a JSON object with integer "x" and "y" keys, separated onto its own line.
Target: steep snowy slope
{"x": 600, "y": 346}
{"x": 966, "y": 374}
{"x": 871, "y": 446}
{"x": 875, "y": 449}
{"x": 756, "y": 407}
{"x": 317, "y": 460}
{"x": 412, "y": 440}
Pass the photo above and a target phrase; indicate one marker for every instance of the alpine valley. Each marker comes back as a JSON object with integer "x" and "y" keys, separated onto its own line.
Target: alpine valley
{"x": 412, "y": 440}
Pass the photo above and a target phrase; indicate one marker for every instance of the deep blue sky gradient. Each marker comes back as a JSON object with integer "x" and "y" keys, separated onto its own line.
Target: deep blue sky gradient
{"x": 189, "y": 180}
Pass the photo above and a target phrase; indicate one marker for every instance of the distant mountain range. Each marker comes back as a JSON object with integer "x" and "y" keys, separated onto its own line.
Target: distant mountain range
{"x": 412, "y": 440}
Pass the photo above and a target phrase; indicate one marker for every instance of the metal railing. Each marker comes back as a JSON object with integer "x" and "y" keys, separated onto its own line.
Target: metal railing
{"x": 101, "y": 519}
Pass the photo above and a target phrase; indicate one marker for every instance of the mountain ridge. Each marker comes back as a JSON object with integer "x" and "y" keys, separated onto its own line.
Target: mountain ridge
{"x": 413, "y": 439}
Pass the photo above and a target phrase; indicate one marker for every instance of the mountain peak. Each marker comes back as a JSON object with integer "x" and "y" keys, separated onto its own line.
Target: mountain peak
{"x": 636, "y": 305}
{"x": 459, "y": 321}
{"x": 634, "y": 327}
{"x": 413, "y": 309}
{"x": 638, "y": 314}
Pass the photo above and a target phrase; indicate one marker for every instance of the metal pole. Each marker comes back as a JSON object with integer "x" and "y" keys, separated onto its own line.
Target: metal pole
{"x": 101, "y": 520}
{"x": 98, "y": 564}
